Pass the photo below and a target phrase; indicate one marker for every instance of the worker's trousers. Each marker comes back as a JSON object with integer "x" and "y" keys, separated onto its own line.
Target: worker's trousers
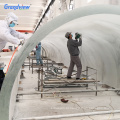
{"x": 75, "y": 60}
{"x": 39, "y": 59}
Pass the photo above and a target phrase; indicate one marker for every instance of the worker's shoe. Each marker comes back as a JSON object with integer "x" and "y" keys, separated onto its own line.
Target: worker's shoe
{"x": 78, "y": 78}
{"x": 69, "y": 77}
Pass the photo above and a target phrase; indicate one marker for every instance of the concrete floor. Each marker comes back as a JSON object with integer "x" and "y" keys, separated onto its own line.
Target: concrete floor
{"x": 50, "y": 104}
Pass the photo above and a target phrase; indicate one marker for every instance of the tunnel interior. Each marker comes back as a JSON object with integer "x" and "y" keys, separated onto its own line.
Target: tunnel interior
{"x": 100, "y": 48}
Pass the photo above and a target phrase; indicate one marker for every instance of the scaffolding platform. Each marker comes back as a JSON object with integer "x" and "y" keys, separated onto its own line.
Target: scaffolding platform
{"x": 37, "y": 66}
{"x": 62, "y": 81}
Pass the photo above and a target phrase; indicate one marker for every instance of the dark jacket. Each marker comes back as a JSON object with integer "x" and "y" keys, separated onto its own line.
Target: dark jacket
{"x": 73, "y": 46}
{"x": 2, "y": 75}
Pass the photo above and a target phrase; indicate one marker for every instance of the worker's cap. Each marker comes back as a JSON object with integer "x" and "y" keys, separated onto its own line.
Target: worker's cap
{"x": 67, "y": 34}
{"x": 11, "y": 17}
{"x": 15, "y": 22}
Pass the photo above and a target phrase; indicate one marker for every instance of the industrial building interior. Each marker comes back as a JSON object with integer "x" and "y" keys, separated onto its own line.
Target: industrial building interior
{"x": 42, "y": 92}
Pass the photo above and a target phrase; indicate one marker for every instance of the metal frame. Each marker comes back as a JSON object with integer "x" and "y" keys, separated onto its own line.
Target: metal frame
{"x": 67, "y": 84}
{"x": 40, "y": 80}
{"x": 73, "y": 91}
{"x": 71, "y": 115}
{"x": 41, "y": 84}
{"x": 34, "y": 58}
{"x": 94, "y": 73}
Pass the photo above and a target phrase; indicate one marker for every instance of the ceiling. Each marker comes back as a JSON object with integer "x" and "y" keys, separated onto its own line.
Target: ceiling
{"x": 28, "y": 19}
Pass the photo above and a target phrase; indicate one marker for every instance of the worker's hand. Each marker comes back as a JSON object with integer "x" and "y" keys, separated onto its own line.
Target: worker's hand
{"x": 21, "y": 42}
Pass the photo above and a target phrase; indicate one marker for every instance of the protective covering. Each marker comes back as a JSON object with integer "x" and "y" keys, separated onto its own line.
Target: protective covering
{"x": 8, "y": 34}
{"x": 11, "y": 17}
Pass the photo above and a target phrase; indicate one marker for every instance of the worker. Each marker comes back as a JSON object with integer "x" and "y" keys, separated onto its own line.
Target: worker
{"x": 2, "y": 76}
{"x": 74, "y": 54}
{"x": 38, "y": 54}
{"x": 7, "y": 34}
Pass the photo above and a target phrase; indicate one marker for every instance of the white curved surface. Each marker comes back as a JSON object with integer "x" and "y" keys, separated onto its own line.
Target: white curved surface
{"x": 41, "y": 34}
{"x": 100, "y": 48}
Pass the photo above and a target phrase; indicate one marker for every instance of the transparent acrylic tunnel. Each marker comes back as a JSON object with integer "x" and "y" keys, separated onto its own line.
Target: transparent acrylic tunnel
{"x": 100, "y": 26}
{"x": 100, "y": 48}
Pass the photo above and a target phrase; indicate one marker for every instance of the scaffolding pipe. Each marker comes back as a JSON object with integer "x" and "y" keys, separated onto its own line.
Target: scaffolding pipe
{"x": 75, "y": 91}
{"x": 71, "y": 115}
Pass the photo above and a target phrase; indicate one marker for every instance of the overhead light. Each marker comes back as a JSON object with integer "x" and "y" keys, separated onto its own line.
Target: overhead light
{"x": 72, "y": 2}
{"x": 89, "y": 1}
{"x": 71, "y": 6}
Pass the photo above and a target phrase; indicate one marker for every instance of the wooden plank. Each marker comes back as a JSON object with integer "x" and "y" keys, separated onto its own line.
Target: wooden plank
{"x": 69, "y": 81}
{"x": 62, "y": 79}
{"x": 47, "y": 59}
{"x": 73, "y": 80}
{"x": 37, "y": 66}
{"x": 66, "y": 85}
